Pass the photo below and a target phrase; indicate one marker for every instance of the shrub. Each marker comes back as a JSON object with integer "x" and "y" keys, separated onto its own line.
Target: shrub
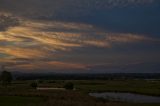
{"x": 34, "y": 85}
{"x": 69, "y": 86}
{"x": 40, "y": 81}
{"x": 6, "y": 78}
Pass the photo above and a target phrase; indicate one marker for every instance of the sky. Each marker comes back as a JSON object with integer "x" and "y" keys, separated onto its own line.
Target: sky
{"x": 80, "y": 36}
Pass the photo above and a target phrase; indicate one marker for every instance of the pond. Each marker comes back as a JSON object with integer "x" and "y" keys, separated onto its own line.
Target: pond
{"x": 126, "y": 97}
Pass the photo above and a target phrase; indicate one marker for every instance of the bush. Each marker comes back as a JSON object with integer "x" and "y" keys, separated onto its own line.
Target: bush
{"x": 69, "y": 86}
{"x": 34, "y": 85}
{"x": 40, "y": 81}
{"x": 51, "y": 81}
{"x": 6, "y": 78}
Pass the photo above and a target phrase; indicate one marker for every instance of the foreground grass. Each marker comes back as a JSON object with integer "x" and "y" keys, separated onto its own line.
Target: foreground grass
{"x": 20, "y": 93}
{"x": 20, "y": 101}
{"x": 58, "y": 98}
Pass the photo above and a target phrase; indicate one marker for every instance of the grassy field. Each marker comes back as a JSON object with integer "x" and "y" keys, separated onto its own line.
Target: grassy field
{"x": 20, "y": 101}
{"x": 19, "y": 93}
{"x": 135, "y": 86}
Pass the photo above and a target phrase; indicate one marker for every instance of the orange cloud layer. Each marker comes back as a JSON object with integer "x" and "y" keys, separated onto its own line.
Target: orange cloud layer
{"x": 52, "y": 65}
{"x": 22, "y": 52}
{"x": 41, "y": 40}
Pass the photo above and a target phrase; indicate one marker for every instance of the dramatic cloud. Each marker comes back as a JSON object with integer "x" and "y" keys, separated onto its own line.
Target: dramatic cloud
{"x": 22, "y": 52}
{"x": 42, "y": 42}
{"x": 7, "y": 21}
{"x": 51, "y": 66}
{"x": 79, "y": 35}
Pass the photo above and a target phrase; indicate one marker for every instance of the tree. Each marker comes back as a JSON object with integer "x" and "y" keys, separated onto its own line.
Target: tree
{"x": 34, "y": 85}
{"x": 6, "y": 78}
{"x": 69, "y": 86}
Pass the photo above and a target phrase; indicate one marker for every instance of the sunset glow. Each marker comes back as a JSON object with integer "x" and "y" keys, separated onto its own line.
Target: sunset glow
{"x": 85, "y": 36}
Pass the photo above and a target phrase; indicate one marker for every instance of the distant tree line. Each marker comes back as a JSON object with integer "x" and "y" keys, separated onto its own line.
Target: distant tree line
{"x": 108, "y": 76}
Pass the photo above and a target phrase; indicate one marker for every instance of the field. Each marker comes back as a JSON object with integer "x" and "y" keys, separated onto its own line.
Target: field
{"x": 19, "y": 93}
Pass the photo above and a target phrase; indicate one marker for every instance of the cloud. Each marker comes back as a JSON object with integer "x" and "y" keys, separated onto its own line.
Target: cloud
{"x": 77, "y": 34}
{"x": 22, "y": 52}
{"x": 57, "y": 9}
{"x": 113, "y": 15}
{"x": 50, "y": 66}
{"x": 35, "y": 44}
{"x": 129, "y": 38}
{"x": 7, "y": 21}
{"x": 65, "y": 36}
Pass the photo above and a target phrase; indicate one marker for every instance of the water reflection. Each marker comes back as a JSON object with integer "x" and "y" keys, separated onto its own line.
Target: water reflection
{"x": 126, "y": 97}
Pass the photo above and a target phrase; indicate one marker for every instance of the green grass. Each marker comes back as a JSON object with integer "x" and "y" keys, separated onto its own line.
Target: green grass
{"x": 135, "y": 86}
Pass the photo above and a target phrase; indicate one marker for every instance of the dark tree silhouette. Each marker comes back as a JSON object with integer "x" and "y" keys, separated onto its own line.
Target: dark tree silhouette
{"x": 6, "y": 77}
{"x": 34, "y": 85}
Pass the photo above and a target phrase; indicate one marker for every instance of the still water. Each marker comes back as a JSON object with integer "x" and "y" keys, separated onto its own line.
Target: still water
{"x": 126, "y": 97}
